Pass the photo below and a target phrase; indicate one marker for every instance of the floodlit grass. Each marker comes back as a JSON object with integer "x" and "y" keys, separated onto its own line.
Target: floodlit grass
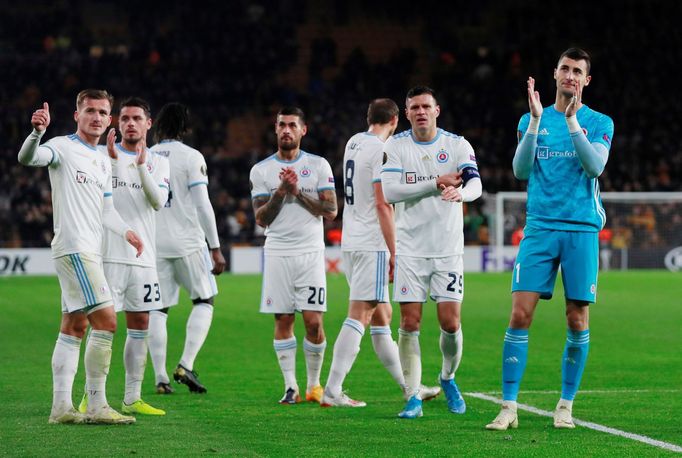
{"x": 633, "y": 380}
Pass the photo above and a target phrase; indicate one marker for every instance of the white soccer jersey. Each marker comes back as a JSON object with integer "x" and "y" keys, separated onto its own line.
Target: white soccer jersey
{"x": 179, "y": 231}
{"x": 361, "y": 169}
{"x": 134, "y": 207}
{"x": 80, "y": 175}
{"x": 295, "y": 230}
{"x": 428, "y": 226}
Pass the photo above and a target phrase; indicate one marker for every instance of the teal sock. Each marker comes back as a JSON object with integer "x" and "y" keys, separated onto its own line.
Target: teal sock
{"x": 514, "y": 357}
{"x": 573, "y": 363}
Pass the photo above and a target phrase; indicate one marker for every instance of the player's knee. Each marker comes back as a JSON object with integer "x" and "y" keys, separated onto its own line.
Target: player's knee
{"x": 410, "y": 322}
{"x": 520, "y": 318}
{"x": 202, "y": 301}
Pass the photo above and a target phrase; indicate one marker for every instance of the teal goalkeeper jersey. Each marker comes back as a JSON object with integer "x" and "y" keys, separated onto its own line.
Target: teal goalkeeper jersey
{"x": 560, "y": 194}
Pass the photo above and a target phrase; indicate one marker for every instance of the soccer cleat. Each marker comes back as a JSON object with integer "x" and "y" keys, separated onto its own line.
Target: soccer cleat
{"x": 190, "y": 378}
{"x": 164, "y": 388}
{"x": 507, "y": 418}
{"x": 108, "y": 416}
{"x": 291, "y": 396}
{"x": 563, "y": 417}
{"x": 70, "y": 416}
{"x": 454, "y": 398}
{"x": 142, "y": 408}
{"x": 314, "y": 394}
{"x": 341, "y": 400}
{"x": 413, "y": 409}
{"x": 83, "y": 406}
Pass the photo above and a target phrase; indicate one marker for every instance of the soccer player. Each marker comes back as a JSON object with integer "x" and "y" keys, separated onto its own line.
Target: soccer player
{"x": 368, "y": 244}
{"x": 140, "y": 187}
{"x": 423, "y": 171}
{"x": 80, "y": 176}
{"x": 562, "y": 150}
{"x": 292, "y": 191}
{"x": 184, "y": 226}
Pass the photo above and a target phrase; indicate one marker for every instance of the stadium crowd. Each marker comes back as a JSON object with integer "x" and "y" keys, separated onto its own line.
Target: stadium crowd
{"x": 273, "y": 54}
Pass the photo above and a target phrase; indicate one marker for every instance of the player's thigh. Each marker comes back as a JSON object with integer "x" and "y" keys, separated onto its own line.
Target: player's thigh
{"x": 193, "y": 272}
{"x": 170, "y": 289}
{"x": 143, "y": 293}
{"x": 310, "y": 282}
{"x": 277, "y": 292}
{"x": 537, "y": 262}
{"x": 580, "y": 265}
{"x": 367, "y": 274}
{"x": 117, "y": 276}
{"x": 447, "y": 279}
{"x": 82, "y": 281}
{"x": 411, "y": 279}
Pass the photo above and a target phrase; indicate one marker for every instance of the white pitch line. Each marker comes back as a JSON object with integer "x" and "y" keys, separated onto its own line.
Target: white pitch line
{"x": 587, "y": 424}
{"x": 614, "y": 391}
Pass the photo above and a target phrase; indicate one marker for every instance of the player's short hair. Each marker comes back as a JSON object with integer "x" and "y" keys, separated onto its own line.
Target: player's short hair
{"x": 381, "y": 111}
{"x": 96, "y": 94}
{"x": 577, "y": 54}
{"x": 137, "y": 102}
{"x": 292, "y": 111}
{"x": 420, "y": 90}
{"x": 172, "y": 122}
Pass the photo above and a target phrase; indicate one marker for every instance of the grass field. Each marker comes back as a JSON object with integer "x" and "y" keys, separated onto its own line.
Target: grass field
{"x": 633, "y": 380}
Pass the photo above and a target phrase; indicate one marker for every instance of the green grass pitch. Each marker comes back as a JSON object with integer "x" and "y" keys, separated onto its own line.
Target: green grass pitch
{"x": 633, "y": 380}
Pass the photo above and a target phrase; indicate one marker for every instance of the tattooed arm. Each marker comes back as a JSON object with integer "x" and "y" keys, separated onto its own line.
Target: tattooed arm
{"x": 266, "y": 209}
{"x": 324, "y": 206}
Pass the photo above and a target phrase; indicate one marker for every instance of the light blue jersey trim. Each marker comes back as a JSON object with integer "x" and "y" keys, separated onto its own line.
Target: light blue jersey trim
{"x": 261, "y": 195}
{"x": 107, "y": 194}
{"x": 468, "y": 164}
{"x": 169, "y": 141}
{"x": 377, "y": 180}
{"x": 162, "y": 185}
{"x": 82, "y": 276}
{"x": 301, "y": 153}
{"x": 122, "y": 149}
{"x": 370, "y": 134}
{"x": 392, "y": 170}
{"x": 197, "y": 183}
{"x": 75, "y": 137}
{"x": 54, "y": 154}
{"x": 438, "y": 132}
{"x": 326, "y": 188}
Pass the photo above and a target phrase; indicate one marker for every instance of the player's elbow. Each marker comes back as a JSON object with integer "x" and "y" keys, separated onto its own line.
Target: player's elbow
{"x": 330, "y": 215}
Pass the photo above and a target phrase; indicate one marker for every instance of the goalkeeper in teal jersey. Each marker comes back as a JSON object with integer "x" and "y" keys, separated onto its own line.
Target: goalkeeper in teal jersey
{"x": 562, "y": 150}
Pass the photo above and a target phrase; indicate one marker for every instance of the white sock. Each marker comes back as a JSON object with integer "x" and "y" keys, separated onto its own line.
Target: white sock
{"x": 565, "y": 403}
{"x": 64, "y": 367}
{"x": 314, "y": 356}
{"x": 346, "y": 350}
{"x": 97, "y": 361}
{"x": 134, "y": 360}
{"x": 451, "y": 346}
{"x": 198, "y": 324}
{"x": 387, "y": 351}
{"x": 285, "y": 350}
{"x": 410, "y": 360}
{"x": 158, "y": 339}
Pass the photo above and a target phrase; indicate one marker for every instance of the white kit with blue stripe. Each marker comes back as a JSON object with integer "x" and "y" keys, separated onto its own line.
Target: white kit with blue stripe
{"x": 295, "y": 230}
{"x": 179, "y": 232}
{"x": 428, "y": 226}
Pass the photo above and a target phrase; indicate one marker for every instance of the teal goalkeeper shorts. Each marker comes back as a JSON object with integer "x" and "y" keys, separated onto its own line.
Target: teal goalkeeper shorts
{"x": 541, "y": 253}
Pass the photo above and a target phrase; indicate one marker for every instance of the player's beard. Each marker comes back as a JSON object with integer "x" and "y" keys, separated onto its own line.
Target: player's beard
{"x": 287, "y": 145}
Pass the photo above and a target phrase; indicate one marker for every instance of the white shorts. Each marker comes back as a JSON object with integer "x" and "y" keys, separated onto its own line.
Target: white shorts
{"x": 134, "y": 288}
{"x": 294, "y": 283}
{"x": 442, "y": 277}
{"x": 367, "y": 275}
{"x": 192, "y": 272}
{"x": 83, "y": 283}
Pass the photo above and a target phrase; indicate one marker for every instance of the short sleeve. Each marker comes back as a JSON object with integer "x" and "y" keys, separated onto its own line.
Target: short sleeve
{"x": 604, "y": 131}
{"x": 197, "y": 171}
{"x": 390, "y": 159}
{"x": 257, "y": 184}
{"x": 466, "y": 158}
{"x": 523, "y": 125}
{"x": 325, "y": 179}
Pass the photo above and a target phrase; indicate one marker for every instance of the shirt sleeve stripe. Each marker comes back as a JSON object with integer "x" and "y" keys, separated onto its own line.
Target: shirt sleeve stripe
{"x": 392, "y": 170}
{"x": 326, "y": 188}
{"x": 107, "y": 194}
{"x": 197, "y": 183}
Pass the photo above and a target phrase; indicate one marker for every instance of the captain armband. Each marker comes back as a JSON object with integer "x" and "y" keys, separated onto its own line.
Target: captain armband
{"x": 468, "y": 173}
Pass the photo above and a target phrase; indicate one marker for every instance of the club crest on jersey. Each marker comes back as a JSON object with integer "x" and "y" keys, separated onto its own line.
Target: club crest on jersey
{"x": 305, "y": 172}
{"x": 442, "y": 156}
{"x": 607, "y": 139}
{"x": 404, "y": 290}
{"x": 268, "y": 301}
{"x": 585, "y": 131}
{"x": 410, "y": 177}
